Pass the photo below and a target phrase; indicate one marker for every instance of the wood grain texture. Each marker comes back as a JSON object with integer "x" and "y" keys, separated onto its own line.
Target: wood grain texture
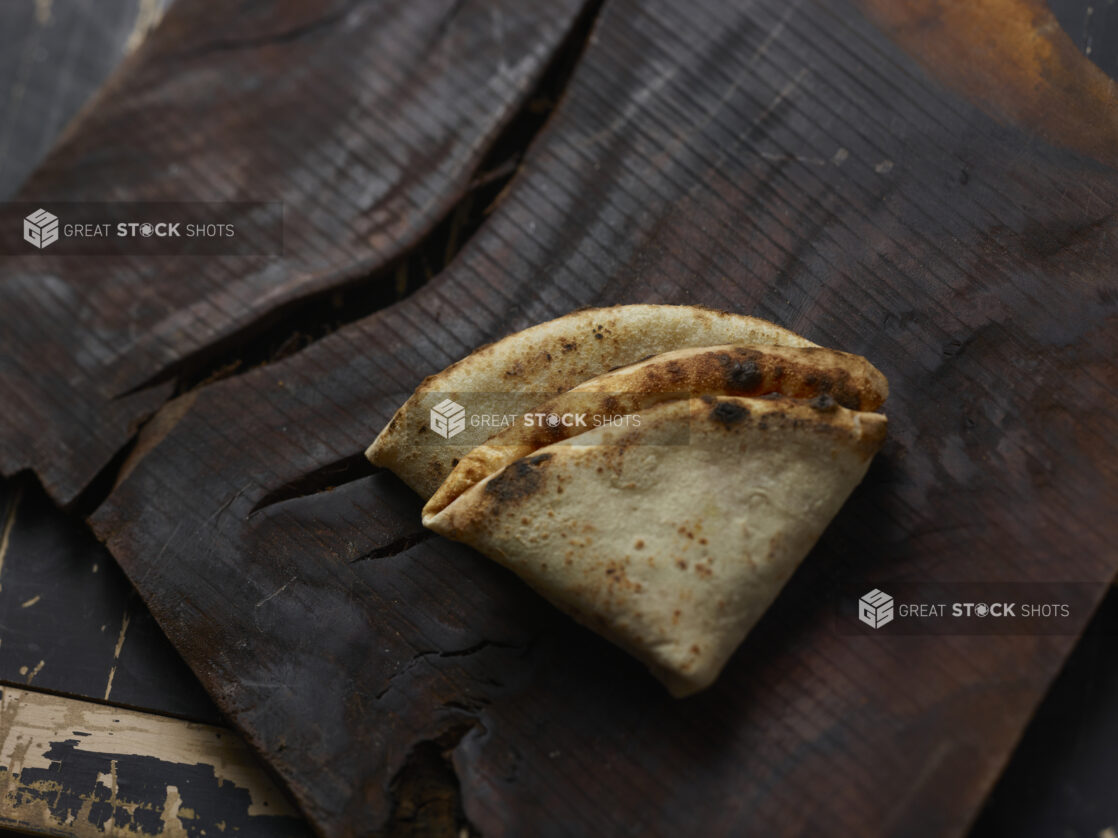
{"x": 53, "y": 57}
{"x": 1058, "y": 780}
{"x": 75, "y": 768}
{"x": 783, "y": 160}
{"x": 366, "y": 120}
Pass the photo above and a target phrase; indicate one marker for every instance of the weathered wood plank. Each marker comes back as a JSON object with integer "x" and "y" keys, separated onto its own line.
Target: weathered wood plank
{"x": 70, "y": 767}
{"x": 786, "y": 160}
{"x": 71, "y": 622}
{"x": 1061, "y": 778}
{"x": 365, "y": 119}
{"x": 53, "y": 57}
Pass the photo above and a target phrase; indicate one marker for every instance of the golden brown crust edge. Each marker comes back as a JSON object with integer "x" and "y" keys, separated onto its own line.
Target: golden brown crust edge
{"x": 733, "y": 370}
{"x": 558, "y": 354}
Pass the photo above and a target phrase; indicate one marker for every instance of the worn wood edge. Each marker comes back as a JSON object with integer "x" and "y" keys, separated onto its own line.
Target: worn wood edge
{"x": 41, "y": 733}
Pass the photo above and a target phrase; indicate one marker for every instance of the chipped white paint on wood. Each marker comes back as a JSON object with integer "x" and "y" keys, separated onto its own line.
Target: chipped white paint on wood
{"x": 31, "y": 722}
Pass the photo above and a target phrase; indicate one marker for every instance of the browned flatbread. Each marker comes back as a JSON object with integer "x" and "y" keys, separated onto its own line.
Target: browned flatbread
{"x": 802, "y": 372}
{"x": 672, "y": 539}
{"x": 550, "y": 358}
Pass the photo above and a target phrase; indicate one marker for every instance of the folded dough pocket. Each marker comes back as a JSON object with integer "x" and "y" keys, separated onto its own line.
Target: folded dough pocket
{"x": 672, "y": 550}
{"x": 734, "y": 370}
{"x": 553, "y": 357}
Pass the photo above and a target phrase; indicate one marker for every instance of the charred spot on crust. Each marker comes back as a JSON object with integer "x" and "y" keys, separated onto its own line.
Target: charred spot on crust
{"x": 519, "y": 480}
{"x": 847, "y": 397}
{"x": 545, "y": 434}
{"x": 729, "y": 414}
{"x": 741, "y": 374}
{"x": 824, "y": 403}
{"x": 838, "y": 386}
{"x": 568, "y": 345}
{"x": 675, "y": 370}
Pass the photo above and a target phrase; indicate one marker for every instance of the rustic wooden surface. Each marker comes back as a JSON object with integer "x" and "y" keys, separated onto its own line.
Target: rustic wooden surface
{"x": 57, "y": 56}
{"x": 1061, "y": 778}
{"x": 70, "y": 767}
{"x": 367, "y": 120}
{"x": 965, "y": 257}
{"x": 786, "y": 161}
{"x": 70, "y": 621}
{"x": 53, "y": 57}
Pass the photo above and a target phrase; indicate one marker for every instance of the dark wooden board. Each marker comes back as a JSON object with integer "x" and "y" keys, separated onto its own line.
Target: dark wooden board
{"x": 783, "y": 160}
{"x": 1061, "y": 778}
{"x": 70, "y": 621}
{"x": 53, "y": 57}
{"x": 365, "y": 119}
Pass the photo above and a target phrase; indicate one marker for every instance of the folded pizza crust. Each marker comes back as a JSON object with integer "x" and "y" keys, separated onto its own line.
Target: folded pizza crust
{"x": 550, "y": 358}
{"x": 735, "y": 370}
{"x": 671, "y": 539}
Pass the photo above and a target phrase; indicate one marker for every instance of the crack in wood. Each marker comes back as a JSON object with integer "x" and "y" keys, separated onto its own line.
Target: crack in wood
{"x": 294, "y": 326}
{"x": 474, "y": 649}
{"x": 426, "y": 791}
{"x": 395, "y": 547}
{"x": 106, "y": 479}
{"x": 322, "y": 479}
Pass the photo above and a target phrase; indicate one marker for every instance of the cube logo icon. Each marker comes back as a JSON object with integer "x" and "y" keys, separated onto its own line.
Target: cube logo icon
{"x": 875, "y": 609}
{"x": 40, "y": 229}
{"x": 448, "y": 418}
